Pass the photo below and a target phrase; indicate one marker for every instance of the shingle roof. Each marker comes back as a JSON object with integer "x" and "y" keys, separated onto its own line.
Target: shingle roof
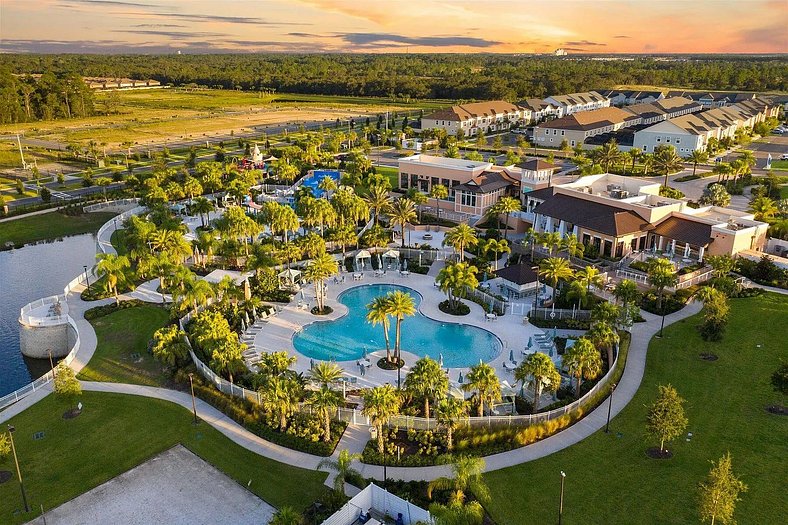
{"x": 541, "y": 194}
{"x": 685, "y": 231}
{"x": 592, "y": 215}
{"x": 573, "y": 99}
{"x": 474, "y": 110}
{"x": 518, "y": 274}
{"x": 486, "y": 182}
{"x": 538, "y": 165}
{"x": 587, "y": 120}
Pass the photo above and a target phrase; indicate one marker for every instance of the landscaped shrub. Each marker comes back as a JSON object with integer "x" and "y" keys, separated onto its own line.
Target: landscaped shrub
{"x": 670, "y": 302}
{"x": 566, "y": 324}
{"x": 101, "y": 311}
{"x": 462, "y": 308}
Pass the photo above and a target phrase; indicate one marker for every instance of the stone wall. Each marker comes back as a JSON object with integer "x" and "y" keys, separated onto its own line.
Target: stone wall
{"x": 36, "y": 341}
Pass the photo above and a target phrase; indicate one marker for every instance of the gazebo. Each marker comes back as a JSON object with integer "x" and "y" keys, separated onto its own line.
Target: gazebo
{"x": 391, "y": 257}
{"x": 289, "y": 279}
{"x": 361, "y": 256}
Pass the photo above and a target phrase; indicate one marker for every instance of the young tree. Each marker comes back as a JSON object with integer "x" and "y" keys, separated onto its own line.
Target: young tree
{"x": 455, "y": 279}
{"x": 459, "y": 238}
{"x": 698, "y": 156}
{"x": 448, "y": 413}
{"x": 715, "y": 195}
{"x": 380, "y": 405}
{"x": 378, "y": 313}
{"x": 325, "y": 402}
{"x": 720, "y": 492}
{"x": 169, "y": 345}
{"x": 666, "y": 420}
{"x": 482, "y": 379}
{"x": 342, "y": 466}
{"x": 661, "y": 275}
{"x": 66, "y": 385}
{"x": 539, "y": 371}
{"x": 428, "y": 381}
{"x": 715, "y": 313}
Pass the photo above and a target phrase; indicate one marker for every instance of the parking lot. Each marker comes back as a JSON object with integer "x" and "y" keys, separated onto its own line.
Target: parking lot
{"x": 774, "y": 144}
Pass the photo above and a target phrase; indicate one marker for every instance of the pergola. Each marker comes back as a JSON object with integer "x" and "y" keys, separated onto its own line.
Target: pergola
{"x": 391, "y": 257}
{"x": 361, "y": 256}
{"x": 289, "y": 279}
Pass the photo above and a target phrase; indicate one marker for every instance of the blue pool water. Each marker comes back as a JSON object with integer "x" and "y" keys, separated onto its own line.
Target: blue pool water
{"x": 346, "y": 338}
{"x": 317, "y": 177}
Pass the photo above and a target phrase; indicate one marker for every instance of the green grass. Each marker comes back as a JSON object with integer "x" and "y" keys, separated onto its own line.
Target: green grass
{"x": 780, "y": 164}
{"x": 50, "y": 226}
{"x": 784, "y": 192}
{"x": 391, "y": 173}
{"x": 118, "y": 240}
{"x": 608, "y": 477}
{"x": 122, "y": 350}
{"x": 116, "y": 432}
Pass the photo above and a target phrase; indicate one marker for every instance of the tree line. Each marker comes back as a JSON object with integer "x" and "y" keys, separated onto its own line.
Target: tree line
{"x": 54, "y": 95}
{"x": 478, "y": 76}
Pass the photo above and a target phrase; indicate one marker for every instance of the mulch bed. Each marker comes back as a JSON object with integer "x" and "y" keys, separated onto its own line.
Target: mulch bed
{"x": 72, "y": 413}
{"x": 325, "y": 311}
{"x": 656, "y": 453}
{"x": 706, "y": 356}
{"x": 778, "y": 410}
{"x": 5, "y": 475}
{"x": 390, "y": 365}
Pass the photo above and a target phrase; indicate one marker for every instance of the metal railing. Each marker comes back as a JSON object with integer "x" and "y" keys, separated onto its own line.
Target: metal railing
{"x": 29, "y": 319}
{"x": 109, "y": 204}
{"x": 693, "y": 278}
{"x": 559, "y": 313}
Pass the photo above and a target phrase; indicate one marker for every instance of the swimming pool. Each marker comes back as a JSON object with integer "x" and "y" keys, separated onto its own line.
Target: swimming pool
{"x": 314, "y": 180}
{"x": 346, "y": 338}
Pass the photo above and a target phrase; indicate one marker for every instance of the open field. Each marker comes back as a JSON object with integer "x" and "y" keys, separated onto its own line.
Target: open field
{"x": 610, "y": 480}
{"x": 122, "y": 348}
{"x": 47, "y": 226}
{"x": 156, "y": 116}
{"x": 116, "y": 432}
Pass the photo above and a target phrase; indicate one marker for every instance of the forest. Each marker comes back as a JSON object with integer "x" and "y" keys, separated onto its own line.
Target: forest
{"x": 438, "y": 76}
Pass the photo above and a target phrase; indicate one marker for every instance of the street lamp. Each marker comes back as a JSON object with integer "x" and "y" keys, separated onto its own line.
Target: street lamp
{"x": 561, "y": 501}
{"x": 609, "y": 405}
{"x": 194, "y": 402}
{"x": 11, "y": 431}
{"x": 87, "y": 279}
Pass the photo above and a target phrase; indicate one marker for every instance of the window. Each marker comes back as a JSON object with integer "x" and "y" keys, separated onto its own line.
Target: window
{"x": 573, "y": 143}
{"x": 659, "y": 139}
{"x": 667, "y": 139}
{"x": 678, "y": 141}
{"x": 551, "y": 140}
{"x": 563, "y": 133}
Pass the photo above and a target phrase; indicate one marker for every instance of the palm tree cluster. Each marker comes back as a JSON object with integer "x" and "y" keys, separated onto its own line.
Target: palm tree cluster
{"x": 396, "y": 305}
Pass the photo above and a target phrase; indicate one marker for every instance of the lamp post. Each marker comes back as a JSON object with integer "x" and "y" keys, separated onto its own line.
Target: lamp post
{"x": 194, "y": 402}
{"x": 11, "y": 431}
{"x": 87, "y": 279}
{"x": 561, "y": 501}
{"x": 609, "y": 405}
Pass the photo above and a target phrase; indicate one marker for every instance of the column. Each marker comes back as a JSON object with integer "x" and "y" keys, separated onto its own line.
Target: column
{"x": 686, "y": 250}
{"x": 574, "y": 230}
{"x": 673, "y": 247}
{"x": 562, "y": 228}
{"x": 700, "y": 253}
{"x": 659, "y": 244}
{"x": 549, "y": 226}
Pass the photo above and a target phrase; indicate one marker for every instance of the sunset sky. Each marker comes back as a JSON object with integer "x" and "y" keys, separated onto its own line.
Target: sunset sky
{"x": 514, "y": 26}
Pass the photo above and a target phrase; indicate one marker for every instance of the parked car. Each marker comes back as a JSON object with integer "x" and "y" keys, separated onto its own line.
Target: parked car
{"x": 784, "y": 156}
{"x": 778, "y": 131}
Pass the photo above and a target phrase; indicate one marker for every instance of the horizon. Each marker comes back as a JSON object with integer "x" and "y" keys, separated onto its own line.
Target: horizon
{"x": 612, "y": 27}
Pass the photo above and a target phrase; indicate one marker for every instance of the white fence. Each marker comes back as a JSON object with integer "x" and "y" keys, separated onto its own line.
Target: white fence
{"x": 26, "y": 312}
{"x": 115, "y": 223}
{"x": 109, "y": 204}
{"x": 381, "y": 503}
{"x": 13, "y": 397}
{"x": 559, "y": 313}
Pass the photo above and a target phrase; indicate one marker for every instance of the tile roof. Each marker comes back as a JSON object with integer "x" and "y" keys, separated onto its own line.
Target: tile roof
{"x": 518, "y": 274}
{"x": 538, "y": 165}
{"x": 474, "y": 110}
{"x": 592, "y": 215}
{"x": 486, "y": 182}
{"x": 685, "y": 231}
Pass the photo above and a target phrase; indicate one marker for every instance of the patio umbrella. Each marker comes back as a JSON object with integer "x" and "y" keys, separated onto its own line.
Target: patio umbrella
{"x": 254, "y": 312}
{"x": 380, "y": 262}
{"x": 511, "y": 355}
{"x": 302, "y": 294}
{"x": 405, "y": 264}
{"x": 246, "y": 318}
{"x": 530, "y": 343}
{"x": 243, "y": 326}
{"x": 460, "y": 378}
{"x": 311, "y": 363}
{"x": 364, "y": 353}
{"x": 440, "y": 359}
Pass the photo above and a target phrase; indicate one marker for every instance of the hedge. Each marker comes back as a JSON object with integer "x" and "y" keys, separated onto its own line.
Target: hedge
{"x": 101, "y": 311}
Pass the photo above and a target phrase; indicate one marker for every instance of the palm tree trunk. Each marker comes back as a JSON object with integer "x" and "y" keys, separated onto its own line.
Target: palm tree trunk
{"x": 327, "y": 429}
{"x": 537, "y": 393}
{"x": 481, "y": 405}
{"x": 505, "y": 227}
{"x": 396, "y": 342}
{"x": 426, "y": 407}
{"x": 388, "y": 345}
{"x": 609, "y": 357}
{"x": 666, "y": 178}
{"x": 449, "y": 436}
{"x": 577, "y": 391}
{"x": 282, "y": 420}
{"x": 380, "y": 438}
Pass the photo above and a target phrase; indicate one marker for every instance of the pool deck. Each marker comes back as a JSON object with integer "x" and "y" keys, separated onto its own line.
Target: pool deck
{"x": 277, "y": 334}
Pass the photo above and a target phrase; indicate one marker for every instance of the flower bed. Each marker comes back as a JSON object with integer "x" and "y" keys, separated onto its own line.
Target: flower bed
{"x": 462, "y": 308}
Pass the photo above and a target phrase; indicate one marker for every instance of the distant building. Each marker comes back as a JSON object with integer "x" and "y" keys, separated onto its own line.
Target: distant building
{"x": 560, "y": 52}
{"x": 629, "y": 97}
{"x": 664, "y": 109}
{"x": 539, "y": 109}
{"x": 712, "y": 99}
{"x": 101, "y": 83}
{"x": 576, "y": 102}
{"x": 491, "y": 116}
{"x": 577, "y": 127}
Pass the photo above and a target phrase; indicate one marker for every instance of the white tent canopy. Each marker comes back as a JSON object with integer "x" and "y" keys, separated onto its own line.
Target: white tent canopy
{"x": 363, "y": 254}
{"x": 391, "y": 254}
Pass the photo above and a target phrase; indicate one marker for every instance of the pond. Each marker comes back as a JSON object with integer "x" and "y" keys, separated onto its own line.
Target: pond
{"x": 28, "y": 274}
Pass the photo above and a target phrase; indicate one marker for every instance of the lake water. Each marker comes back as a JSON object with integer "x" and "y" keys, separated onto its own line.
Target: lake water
{"x": 28, "y": 274}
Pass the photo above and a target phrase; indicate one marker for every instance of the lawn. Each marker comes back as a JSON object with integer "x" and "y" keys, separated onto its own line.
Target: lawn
{"x": 391, "y": 173}
{"x": 610, "y": 480}
{"x": 122, "y": 350}
{"x": 52, "y": 225}
{"x": 780, "y": 164}
{"x": 116, "y": 432}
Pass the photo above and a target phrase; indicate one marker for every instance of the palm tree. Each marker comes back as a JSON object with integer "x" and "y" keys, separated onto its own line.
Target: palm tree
{"x": 497, "y": 246}
{"x": 318, "y": 270}
{"x": 467, "y": 476}
{"x": 533, "y": 238}
{"x": 579, "y": 292}
{"x": 539, "y": 371}
{"x": 418, "y": 198}
{"x": 661, "y": 275}
{"x": 634, "y": 154}
{"x": 698, "y": 156}
{"x": 378, "y": 313}
{"x": 461, "y": 237}
{"x": 227, "y": 357}
{"x": 506, "y": 205}
{"x": 589, "y": 276}
{"x": 455, "y": 279}
{"x": 113, "y": 268}
{"x": 197, "y": 293}
{"x": 203, "y": 207}
{"x": 607, "y": 155}
{"x": 721, "y": 169}
{"x": 399, "y": 305}
{"x": 380, "y": 405}
{"x": 401, "y": 213}
{"x": 481, "y": 378}
{"x": 747, "y": 159}
{"x": 573, "y": 247}
{"x": 325, "y": 373}
{"x": 438, "y": 192}
{"x": 583, "y": 361}
{"x": 286, "y": 516}
{"x": 448, "y": 413}
{"x": 603, "y": 335}
{"x": 763, "y": 208}
{"x": 327, "y": 185}
{"x": 667, "y": 160}
{"x": 647, "y": 159}
{"x": 626, "y": 291}
{"x": 555, "y": 269}
{"x": 169, "y": 345}
{"x": 378, "y": 201}
{"x": 428, "y": 381}
{"x": 550, "y": 241}
{"x": 342, "y": 466}
{"x": 325, "y": 402}
{"x": 280, "y": 396}
{"x": 203, "y": 247}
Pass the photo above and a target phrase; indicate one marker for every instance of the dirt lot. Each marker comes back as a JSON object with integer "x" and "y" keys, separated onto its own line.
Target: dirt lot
{"x": 175, "y": 487}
